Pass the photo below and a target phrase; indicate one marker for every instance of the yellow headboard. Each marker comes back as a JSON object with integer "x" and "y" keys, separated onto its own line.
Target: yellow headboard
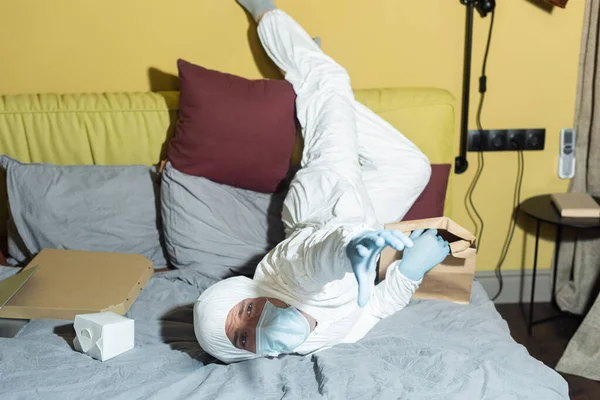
{"x": 133, "y": 128}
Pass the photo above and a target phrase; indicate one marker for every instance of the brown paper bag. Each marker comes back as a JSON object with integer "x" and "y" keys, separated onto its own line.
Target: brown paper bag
{"x": 452, "y": 279}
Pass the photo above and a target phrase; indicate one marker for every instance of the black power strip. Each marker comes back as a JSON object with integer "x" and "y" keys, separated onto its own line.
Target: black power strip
{"x": 506, "y": 139}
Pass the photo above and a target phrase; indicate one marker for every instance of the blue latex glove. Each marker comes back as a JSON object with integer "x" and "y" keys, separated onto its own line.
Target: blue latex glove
{"x": 428, "y": 250}
{"x": 363, "y": 251}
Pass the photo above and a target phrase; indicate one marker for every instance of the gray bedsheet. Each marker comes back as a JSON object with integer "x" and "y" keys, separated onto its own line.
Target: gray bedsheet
{"x": 430, "y": 350}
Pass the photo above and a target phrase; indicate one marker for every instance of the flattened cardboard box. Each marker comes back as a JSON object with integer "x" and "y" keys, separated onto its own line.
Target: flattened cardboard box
{"x": 453, "y": 278}
{"x": 69, "y": 282}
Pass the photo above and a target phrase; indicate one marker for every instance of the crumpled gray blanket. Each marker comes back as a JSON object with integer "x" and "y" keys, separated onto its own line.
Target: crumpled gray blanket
{"x": 429, "y": 350}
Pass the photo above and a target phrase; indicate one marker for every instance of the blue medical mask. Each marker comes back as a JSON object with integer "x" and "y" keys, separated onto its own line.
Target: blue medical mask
{"x": 280, "y": 330}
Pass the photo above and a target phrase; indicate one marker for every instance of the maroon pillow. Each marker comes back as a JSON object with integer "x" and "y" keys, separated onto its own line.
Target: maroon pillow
{"x": 430, "y": 203}
{"x": 233, "y": 130}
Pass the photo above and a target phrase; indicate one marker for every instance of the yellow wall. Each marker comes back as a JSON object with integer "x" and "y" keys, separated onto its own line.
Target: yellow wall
{"x": 117, "y": 45}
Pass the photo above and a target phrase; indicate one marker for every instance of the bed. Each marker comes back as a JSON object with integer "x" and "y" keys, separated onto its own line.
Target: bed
{"x": 430, "y": 350}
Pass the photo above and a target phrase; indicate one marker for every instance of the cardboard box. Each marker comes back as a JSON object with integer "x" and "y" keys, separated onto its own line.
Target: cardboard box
{"x": 453, "y": 278}
{"x": 103, "y": 335}
{"x": 58, "y": 284}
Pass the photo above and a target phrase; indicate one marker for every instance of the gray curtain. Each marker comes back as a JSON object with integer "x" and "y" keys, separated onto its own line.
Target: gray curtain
{"x": 583, "y": 251}
{"x": 576, "y": 293}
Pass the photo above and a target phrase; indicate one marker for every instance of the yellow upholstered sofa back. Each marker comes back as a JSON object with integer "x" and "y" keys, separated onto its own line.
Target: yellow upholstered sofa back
{"x": 134, "y": 128}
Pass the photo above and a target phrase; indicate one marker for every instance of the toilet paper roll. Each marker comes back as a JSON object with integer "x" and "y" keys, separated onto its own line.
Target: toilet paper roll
{"x": 85, "y": 340}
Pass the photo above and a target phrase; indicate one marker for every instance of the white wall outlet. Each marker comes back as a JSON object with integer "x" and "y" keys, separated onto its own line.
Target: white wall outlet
{"x": 566, "y": 159}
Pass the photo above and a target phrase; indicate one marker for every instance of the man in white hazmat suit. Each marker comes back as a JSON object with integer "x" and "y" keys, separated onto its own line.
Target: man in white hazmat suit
{"x": 316, "y": 288}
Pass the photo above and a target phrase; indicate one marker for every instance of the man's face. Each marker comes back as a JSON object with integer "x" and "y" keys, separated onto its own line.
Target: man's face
{"x": 240, "y": 325}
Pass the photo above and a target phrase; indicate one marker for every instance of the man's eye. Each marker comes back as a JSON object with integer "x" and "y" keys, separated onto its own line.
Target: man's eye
{"x": 249, "y": 309}
{"x": 244, "y": 336}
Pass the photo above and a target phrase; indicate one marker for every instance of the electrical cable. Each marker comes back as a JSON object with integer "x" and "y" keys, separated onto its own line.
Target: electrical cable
{"x": 480, "y": 158}
{"x": 513, "y": 221}
{"x": 481, "y": 165}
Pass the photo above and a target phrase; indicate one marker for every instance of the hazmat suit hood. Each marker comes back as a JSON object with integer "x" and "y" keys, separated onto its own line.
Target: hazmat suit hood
{"x": 210, "y": 313}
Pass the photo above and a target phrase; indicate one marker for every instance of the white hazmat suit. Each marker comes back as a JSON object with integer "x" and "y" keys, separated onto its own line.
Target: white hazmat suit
{"x": 358, "y": 173}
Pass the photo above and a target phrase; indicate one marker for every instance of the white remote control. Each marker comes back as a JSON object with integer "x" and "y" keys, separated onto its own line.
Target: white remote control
{"x": 566, "y": 160}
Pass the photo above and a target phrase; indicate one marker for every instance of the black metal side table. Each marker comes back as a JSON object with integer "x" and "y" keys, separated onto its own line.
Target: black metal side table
{"x": 541, "y": 209}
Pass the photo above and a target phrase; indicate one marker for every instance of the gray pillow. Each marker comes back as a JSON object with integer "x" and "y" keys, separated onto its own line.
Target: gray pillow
{"x": 216, "y": 229}
{"x": 83, "y": 207}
